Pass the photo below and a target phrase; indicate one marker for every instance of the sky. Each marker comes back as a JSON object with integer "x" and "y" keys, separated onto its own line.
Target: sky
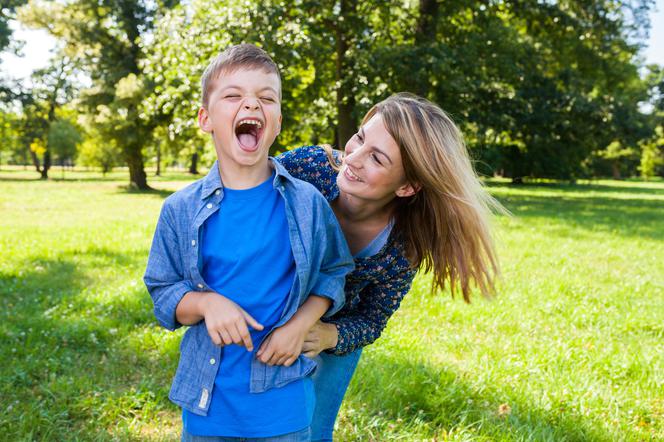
{"x": 38, "y": 45}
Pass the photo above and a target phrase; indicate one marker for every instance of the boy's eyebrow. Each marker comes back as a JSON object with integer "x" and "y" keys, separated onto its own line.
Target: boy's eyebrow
{"x": 380, "y": 151}
{"x": 266, "y": 88}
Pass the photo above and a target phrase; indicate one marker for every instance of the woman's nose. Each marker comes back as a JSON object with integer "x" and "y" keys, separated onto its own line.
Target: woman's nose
{"x": 354, "y": 156}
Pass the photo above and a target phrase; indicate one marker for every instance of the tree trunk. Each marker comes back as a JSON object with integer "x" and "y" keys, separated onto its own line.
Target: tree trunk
{"x": 426, "y": 23}
{"x": 345, "y": 98}
{"x": 46, "y": 166}
{"x": 35, "y": 160}
{"x": 134, "y": 159}
{"x": 615, "y": 169}
{"x": 193, "y": 166}
{"x": 158, "y": 173}
{"x": 425, "y": 35}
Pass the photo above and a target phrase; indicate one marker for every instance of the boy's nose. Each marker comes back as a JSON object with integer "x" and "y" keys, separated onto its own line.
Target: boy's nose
{"x": 250, "y": 104}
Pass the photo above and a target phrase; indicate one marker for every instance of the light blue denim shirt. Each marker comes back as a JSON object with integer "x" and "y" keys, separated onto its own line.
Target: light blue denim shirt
{"x": 322, "y": 260}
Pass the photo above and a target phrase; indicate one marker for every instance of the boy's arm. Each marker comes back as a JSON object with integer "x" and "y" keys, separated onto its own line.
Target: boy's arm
{"x": 164, "y": 275}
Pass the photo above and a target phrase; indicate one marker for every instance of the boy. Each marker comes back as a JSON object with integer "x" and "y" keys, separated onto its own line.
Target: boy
{"x": 238, "y": 254}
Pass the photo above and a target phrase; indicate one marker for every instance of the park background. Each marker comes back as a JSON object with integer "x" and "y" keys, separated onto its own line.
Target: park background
{"x": 562, "y": 114}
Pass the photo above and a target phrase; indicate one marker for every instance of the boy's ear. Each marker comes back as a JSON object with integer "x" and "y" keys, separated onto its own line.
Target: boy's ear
{"x": 408, "y": 189}
{"x": 204, "y": 120}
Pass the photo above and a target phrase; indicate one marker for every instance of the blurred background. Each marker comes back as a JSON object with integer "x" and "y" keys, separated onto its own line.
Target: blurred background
{"x": 541, "y": 89}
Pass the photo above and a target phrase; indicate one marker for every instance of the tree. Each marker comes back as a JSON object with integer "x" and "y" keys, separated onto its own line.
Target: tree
{"x": 63, "y": 139}
{"x": 104, "y": 38}
{"x": 536, "y": 86}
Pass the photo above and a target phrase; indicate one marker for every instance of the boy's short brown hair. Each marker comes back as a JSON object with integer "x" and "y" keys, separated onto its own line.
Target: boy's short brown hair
{"x": 235, "y": 57}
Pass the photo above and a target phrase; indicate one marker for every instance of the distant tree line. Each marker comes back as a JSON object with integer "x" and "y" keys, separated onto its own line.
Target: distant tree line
{"x": 541, "y": 89}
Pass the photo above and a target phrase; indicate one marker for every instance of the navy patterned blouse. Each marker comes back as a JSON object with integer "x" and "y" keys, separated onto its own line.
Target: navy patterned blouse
{"x": 375, "y": 288}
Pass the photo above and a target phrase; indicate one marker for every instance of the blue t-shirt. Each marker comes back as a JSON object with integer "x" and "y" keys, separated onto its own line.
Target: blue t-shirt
{"x": 247, "y": 257}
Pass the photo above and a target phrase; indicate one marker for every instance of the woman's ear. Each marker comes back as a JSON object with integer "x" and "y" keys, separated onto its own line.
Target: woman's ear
{"x": 204, "y": 120}
{"x": 407, "y": 190}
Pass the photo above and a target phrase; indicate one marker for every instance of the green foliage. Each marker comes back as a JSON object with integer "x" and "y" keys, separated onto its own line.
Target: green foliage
{"x": 539, "y": 88}
{"x": 63, "y": 138}
{"x": 10, "y": 137}
{"x": 652, "y": 156}
{"x": 97, "y": 151}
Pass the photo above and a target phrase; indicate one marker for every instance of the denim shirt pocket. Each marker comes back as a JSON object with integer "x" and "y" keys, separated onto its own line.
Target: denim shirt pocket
{"x": 265, "y": 377}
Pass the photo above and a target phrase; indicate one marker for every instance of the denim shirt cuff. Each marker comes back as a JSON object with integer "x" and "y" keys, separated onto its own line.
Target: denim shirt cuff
{"x": 333, "y": 289}
{"x": 172, "y": 296}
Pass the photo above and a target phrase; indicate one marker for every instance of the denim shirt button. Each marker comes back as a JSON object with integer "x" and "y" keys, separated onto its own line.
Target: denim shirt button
{"x": 193, "y": 242}
{"x": 212, "y": 361}
{"x": 209, "y": 206}
{"x": 200, "y": 286}
{"x": 218, "y": 192}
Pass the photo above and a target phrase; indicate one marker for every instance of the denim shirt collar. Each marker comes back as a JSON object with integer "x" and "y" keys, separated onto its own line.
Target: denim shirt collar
{"x": 212, "y": 181}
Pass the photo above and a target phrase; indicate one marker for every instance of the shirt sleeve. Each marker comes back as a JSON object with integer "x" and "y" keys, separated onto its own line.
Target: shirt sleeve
{"x": 336, "y": 261}
{"x": 164, "y": 275}
{"x": 364, "y": 323}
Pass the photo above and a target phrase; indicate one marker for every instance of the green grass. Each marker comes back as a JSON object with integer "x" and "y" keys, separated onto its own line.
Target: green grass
{"x": 572, "y": 348}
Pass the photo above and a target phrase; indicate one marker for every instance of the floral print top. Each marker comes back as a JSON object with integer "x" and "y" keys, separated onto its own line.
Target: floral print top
{"x": 375, "y": 288}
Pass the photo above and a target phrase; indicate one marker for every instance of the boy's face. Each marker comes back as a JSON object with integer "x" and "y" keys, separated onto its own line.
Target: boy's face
{"x": 243, "y": 116}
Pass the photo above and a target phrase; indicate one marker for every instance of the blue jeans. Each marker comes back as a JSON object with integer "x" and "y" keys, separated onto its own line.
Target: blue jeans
{"x": 298, "y": 436}
{"x": 331, "y": 380}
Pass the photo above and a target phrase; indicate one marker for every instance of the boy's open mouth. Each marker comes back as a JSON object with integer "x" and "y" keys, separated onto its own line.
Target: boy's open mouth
{"x": 248, "y": 132}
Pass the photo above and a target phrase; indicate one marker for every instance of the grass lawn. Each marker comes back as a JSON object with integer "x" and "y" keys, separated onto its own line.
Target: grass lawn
{"x": 571, "y": 349}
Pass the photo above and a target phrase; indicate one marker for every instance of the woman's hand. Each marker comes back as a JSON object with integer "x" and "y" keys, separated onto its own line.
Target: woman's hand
{"x": 320, "y": 337}
{"x": 284, "y": 344}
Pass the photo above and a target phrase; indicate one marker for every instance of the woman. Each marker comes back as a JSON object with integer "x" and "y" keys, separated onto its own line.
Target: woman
{"x": 407, "y": 198}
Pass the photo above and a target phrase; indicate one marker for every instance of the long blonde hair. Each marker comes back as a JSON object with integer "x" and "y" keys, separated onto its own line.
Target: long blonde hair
{"x": 445, "y": 225}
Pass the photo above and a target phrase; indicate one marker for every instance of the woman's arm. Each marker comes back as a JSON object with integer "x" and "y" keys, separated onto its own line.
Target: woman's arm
{"x": 364, "y": 323}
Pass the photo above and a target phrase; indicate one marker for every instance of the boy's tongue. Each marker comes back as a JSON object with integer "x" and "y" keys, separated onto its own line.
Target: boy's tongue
{"x": 248, "y": 141}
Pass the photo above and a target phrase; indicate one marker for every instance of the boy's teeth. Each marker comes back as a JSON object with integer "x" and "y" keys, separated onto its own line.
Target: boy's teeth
{"x": 254, "y": 122}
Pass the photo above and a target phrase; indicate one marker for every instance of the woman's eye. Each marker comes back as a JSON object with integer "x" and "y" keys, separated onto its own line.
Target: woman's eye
{"x": 268, "y": 99}
{"x": 375, "y": 158}
{"x": 232, "y": 96}
{"x": 358, "y": 137}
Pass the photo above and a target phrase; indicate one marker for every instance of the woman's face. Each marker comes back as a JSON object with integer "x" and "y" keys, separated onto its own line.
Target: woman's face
{"x": 372, "y": 168}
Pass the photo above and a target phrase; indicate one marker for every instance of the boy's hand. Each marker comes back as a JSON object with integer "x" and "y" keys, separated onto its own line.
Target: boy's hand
{"x": 227, "y": 322}
{"x": 284, "y": 345}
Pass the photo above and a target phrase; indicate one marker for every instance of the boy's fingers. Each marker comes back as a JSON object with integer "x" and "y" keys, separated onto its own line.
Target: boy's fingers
{"x": 226, "y": 337}
{"x": 235, "y": 335}
{"x": 245, "y": 337}
{"x": 273, "y": 360}
{"x": 267, "y": 353}
{"x": 264, "y": 346}
{"x": 216, "y": 338}
{"x": 251, "y": 321}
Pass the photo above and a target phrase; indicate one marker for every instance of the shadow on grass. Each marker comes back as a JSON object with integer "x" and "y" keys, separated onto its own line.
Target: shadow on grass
{"x": 73, "y": 368}
{"x": 632, "y": 187}
{"x": 129, "y": 190}
{"x": 411, "y": 393}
